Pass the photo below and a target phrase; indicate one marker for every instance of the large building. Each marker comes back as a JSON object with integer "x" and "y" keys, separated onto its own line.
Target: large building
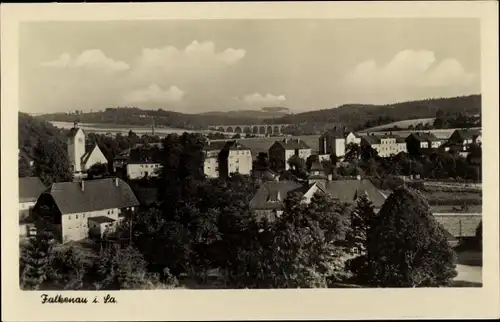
{"x": 234, "y": 157}
{"x": 81, "y": 156}
{"x": 30, "y": 188}
{"x": 386, "y": 145}
{"x": 78, "y": 210}
{"x": 281, "y": 152}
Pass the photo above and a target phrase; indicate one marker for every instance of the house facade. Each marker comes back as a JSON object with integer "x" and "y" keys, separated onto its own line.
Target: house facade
{"x": 422, "y": 143}
{"x": 30, "y": 188}
{"x": 464, "y": 138}
{"x": 235, "y": 158}
{"x": 68, "y": 208}
{"x": 144, "y": 162}
{"x": 281, "y": 152}
{"x": 334, "y": 141}
{"x": 211, "y": 162}
{"x": 81, "y": 156}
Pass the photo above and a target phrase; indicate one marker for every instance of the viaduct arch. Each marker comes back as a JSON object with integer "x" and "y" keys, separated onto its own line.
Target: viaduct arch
{"x": 250, "y": 128}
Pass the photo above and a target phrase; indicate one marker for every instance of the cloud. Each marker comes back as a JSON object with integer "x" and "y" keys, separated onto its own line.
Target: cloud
{"x": 192, "y": 56}
{"x": 154, "y": 94}
{"x": 410, "y": 68}
{"x": 261, "y": 100}
{"x": 92, "y": 58}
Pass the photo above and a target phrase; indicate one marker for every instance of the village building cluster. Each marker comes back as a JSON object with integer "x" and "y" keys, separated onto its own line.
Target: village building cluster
{"x": 89, "y": 208}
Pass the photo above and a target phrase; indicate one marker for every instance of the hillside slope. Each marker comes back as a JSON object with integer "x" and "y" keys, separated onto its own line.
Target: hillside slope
{"x": 362, "y": 116}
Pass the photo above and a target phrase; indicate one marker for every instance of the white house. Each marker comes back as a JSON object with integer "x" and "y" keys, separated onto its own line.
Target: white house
{"x": 82, "y": 157}
{"x": 235, "y": 158}
{"x": 69, "y": 209}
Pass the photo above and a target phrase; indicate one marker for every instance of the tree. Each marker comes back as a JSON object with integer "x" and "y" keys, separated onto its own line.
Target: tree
{"x": 68, "y": 268}
{"x": 51, "y": 162}
{"x": 297, "y": 166}
{"x": 406, "y": 246}
{"x": 262, "y": 161}
{"x": 35, "y": 260}
{"x": 122, "y": 268}
{"x": 24, "y": 167}
{"x": 310, "y": 160}
{"x": 361, "y": 218}
{"x": 352, "y": 152}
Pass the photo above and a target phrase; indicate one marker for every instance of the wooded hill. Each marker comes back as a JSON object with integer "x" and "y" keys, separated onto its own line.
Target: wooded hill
{"x": 357, "y": 116}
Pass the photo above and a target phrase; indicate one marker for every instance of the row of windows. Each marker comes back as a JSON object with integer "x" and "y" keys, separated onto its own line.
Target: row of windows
{"x": 112, "y": 211}
{"x": 150, "y": 165}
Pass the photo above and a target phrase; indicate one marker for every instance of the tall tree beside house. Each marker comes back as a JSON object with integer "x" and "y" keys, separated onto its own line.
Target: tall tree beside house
{"x": 51, "y": 162}
{"x": 406, "y": 246}
{"x": 34, "y": 265}
{"x": 262, "y": 162}
{"x": 297, "y": 166}
{"x": 298, "y": 249}
{"x": 360, "y": 222}
{"x": 352, "y": 152}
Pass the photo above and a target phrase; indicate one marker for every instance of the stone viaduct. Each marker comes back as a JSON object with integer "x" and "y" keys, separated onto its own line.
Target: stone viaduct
{"x": 250, "y": 128}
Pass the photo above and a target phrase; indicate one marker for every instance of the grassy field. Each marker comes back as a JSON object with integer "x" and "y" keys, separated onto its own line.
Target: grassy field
{"x": 402, "y": 124}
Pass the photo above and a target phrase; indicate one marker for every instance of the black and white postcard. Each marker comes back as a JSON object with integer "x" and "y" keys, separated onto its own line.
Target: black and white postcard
{"x": 193, "y": 161}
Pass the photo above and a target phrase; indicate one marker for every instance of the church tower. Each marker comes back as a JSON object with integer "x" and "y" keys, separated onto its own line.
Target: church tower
{"x": 76, "y": 148}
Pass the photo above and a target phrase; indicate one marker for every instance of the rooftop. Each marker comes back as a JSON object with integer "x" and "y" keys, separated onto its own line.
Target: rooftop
{"x": 30, "y": 189}
{"x": 99, "y": 194}
{"x": 292, "y": 144}
{"x": 272, "y": 194}
{"x": 347, "y": 191}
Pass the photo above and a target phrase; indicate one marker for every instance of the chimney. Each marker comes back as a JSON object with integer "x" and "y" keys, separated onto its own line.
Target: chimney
{"x": 330, "y": 177}
{"x": 358, "y": 177}
{"x": 82, "y": 184}
{"x": 116, "y": 181}
{"x": 286, "y": 140}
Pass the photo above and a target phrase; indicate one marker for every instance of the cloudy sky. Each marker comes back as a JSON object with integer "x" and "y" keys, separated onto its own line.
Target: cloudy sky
{"x": 219, "y": 65}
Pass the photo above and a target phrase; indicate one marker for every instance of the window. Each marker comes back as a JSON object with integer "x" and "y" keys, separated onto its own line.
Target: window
{"x": 76, "y": 216}
{"x": 69, "y": 217}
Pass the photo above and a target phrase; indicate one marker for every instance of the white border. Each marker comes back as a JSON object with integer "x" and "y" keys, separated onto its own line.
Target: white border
{"x": 271, "y": 304}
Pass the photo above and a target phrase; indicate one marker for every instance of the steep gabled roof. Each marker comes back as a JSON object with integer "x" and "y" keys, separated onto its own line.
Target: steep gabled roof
{"x": 235, "y": 145}
{"x": 30, "y": 188}
{"x": 267, "y": 196}
{"x": 143, "y": 155}
{"x": 467, "y": 134}
{"x": 424, "y": 136}
{"x": 371, "y": 139}
{"x": 347, "y": 191}
{"x": 292, "y": 144}
{"x": 96, "y": 195}
{"x": 214, "y": 145}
